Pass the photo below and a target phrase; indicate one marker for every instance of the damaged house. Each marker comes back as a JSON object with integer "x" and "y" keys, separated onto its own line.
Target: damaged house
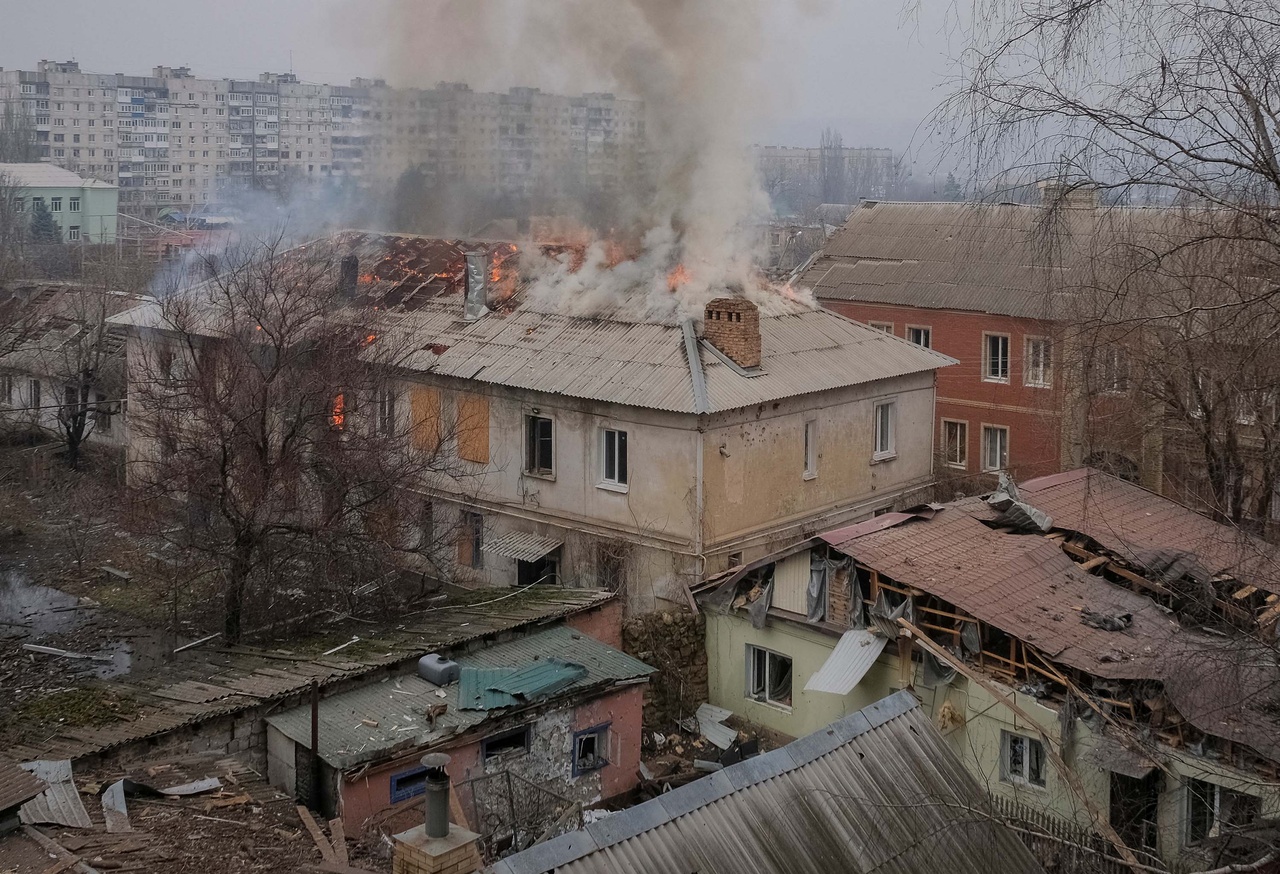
{"x": 624, "y": 450}
{"x": 532, "y": 726}
{"x": 1095, "y": 653}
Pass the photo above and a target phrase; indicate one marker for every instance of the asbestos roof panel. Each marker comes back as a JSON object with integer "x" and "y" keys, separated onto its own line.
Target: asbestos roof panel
{"x": 17, "y": 786}
{"x": 848, "y": 663}
{"x": 59, "y": 803}
{"x": 41, "y": 176}
{"x": 522, "y": 546}
{"x": 853, "y": 808}
{"x": 398, "y": 706}
{"x": 1133, "y": 522}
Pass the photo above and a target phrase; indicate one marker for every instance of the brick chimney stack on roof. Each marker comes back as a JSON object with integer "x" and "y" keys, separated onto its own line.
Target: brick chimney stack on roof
{"x": 437, "y": 846}
{"x": 732, "y": 325}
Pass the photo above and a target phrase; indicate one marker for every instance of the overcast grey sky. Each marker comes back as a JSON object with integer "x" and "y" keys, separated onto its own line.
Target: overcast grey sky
{"x": 857, "y": 66}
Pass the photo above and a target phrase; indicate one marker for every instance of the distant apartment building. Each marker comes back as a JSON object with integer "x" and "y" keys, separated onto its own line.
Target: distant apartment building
{"x": 838, "y": 174}
{"x": 173, "y": 140}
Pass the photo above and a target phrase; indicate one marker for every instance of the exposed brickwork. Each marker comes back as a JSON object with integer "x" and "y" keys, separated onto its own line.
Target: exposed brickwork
{"x": 732, "y": 325}
{"x": 415, "y": 853}
{"x": 839, "y": 600}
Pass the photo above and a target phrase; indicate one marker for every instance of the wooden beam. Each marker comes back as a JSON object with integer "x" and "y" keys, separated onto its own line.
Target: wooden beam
{"x": 322, "y": 843}
{"x": 339, "y": 841}
{"x": 1096, "y": 561}
{"x": 1244, "y": 593}
{"x": 1052, "y": 746}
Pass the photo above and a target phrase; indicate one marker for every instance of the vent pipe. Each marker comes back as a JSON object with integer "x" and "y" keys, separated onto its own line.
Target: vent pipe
{"x": 349, "y": 277}
{"x": 474, "y": 305}
{"x": 437, "y": 784}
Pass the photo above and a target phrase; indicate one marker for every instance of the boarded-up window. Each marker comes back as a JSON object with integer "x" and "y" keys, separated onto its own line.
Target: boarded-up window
{"x": 790, "y": 582}
{"x": 424, "y": 406}
{"x": 473, "y": 428}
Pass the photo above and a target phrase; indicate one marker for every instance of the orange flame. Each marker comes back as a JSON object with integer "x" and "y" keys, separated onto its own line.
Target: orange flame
{"x": 338, "y": 416}
{"x": 677, "y": 277}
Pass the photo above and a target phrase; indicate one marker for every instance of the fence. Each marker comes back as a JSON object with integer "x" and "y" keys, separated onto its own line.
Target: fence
{"x": 512, "y": 814}
{"x": 1064, "y": 846}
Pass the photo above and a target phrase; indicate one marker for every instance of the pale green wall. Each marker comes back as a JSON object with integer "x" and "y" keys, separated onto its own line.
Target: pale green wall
{"x": 97, "y": 217}
{"x": 976, "y": 742}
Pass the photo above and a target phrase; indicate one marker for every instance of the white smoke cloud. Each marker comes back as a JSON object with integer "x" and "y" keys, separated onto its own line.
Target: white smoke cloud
{"x": 693, "y": 63}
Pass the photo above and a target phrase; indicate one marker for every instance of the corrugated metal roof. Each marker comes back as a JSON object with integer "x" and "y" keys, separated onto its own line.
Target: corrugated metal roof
{"x": 398, "y": 706}
{"x": 1133, "y": 522}
{"x": 476, "y": 689}
{"x": 59, "y": 803}
{"x": 538, "y": 680}
{"x": 877, "y": 791}
{"x": 522, "y": 546}
{"x": 17, "y": 786}
{"x": 848, "y": 663}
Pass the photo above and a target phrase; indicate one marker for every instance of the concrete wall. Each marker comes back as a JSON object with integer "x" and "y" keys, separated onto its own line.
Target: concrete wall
{"x": 975, "y": 736}
{"x": 21, "y": 411}
{"x": 367, "y": 792}
{"x": 96, "y": 218}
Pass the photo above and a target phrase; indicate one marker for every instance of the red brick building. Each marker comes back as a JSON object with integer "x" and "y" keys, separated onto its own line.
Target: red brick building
{"x": 974, "y": 282}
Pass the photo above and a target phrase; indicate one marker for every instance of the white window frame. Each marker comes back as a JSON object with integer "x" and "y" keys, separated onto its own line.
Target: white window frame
{"x": 1024, "y": 777}
{"x": 384, "y": 424}
{"x": 764, "y": 697}
{"x": 888, "y": 450}
{"x": 1215, "y": 829}
{"x": 987, "y": 360}
{"x": 1114, "y": 373}
{"x": 811, "y": 449}
{"x": 1033, "y": 376}
{"x": 887, "y": 327}
{"x": 994, "y": 429}
{"x": 620, "y": 452}
{"x": 963, "y": 462}
{"x": 925, "y": 330}
{"x": 530, "y": 451}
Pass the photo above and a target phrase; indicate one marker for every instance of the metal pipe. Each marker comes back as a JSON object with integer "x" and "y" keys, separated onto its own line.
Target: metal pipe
{"x": 437, "y": 795}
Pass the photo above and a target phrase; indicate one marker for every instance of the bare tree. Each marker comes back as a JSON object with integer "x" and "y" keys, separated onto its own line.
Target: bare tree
{"x": 17, "y": 135}
{"x": 265, "y": 402}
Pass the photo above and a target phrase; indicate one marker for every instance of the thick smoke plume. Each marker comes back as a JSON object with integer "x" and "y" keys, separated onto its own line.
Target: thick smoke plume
{"x": 693, "y": 63}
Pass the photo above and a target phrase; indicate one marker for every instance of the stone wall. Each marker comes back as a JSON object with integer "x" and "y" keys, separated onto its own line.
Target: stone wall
{"x": 675, "y": 644}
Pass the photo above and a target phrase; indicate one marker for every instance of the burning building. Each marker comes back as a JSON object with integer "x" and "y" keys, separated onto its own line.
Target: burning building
{"x": 628, "y": 445}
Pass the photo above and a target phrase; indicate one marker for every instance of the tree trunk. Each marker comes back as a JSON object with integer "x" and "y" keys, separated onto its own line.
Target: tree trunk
{"x": 237, "y": 583}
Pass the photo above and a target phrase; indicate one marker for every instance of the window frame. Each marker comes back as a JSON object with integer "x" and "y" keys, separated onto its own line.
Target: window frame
{"x": 963, "y": 462}
{"x": 33, "y": 395}
{"x": 384, "y": 414}
{"x": 886, "y": 327}
{"x": 765, "y": 697}
{"x": 928, "y": 334}
{"x": 878, "y": 452}
{"x": 621, "y": 479}
{"x": 1045, "y": 379}
{"x": 1007, "y": 774}
{"x": 1115, "y": 372}
{"x": 810, "y": 449}
{"x": 533, "y": 445}
{"x": 601, "y": 734}
{"x": 7, "y": 386}
{"x": 473, "y": 528}
{"x": 417, "y": 776}
{"x": 994, "y": 428}
{"x": 1190, "y": 794}
{"x": 523, "y": 731}
{"x": 987, "y": 337}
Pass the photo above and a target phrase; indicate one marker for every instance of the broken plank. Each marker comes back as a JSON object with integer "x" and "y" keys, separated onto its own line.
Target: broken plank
{"x": 339, "y": 841}
{"x": 335, "y": 868}
{"x": 322, "y": 843}
{"x": 61, "y": 865}
{"x": 1244, "y": 593}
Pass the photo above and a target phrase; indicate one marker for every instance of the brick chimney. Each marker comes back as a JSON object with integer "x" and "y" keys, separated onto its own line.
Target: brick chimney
{"x": 732, "y": 325}
{"x": 437, "y": 846}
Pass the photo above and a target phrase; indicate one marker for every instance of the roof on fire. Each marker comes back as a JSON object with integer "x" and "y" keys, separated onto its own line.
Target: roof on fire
{"x": 615, "y": 359}
{"x": 368, "y": 723}
{"x": 846, "y": 798}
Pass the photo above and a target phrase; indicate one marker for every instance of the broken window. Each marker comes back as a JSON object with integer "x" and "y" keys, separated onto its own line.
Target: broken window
{"x": 614, "y": 457}
{"x": 590, "y": 749}
{"x": 885, "y": 413}
{"x": 408, "y": 784}
{"x": 1039, "y": 363}
{"x": 1022, "y": 759}
{"x": 513, "y": 742}
{"x": 1110, "y": 369}
{"x": 385, "y": 415}
{"x": 768, "y": 676}
{"x": 6, "y": 388}
{"x": 995, "y": 357}
{"x": 539, "y": 448}
{"x": 102, "y": 413}
{"x": 955, "y": 443}
{"x": 887, "y": 327}
{"x": 1213, "y": 810}
{"x": 995, "y": 447}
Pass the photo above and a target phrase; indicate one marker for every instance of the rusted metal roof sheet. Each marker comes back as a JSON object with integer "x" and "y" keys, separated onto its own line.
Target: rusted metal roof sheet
{"x": 17, "y": 786}
{"x": 60, "y": 802}
{"x": 847, "y": 798}
{"x": 1134, "y": 523}
{"x": 848, "y": 663}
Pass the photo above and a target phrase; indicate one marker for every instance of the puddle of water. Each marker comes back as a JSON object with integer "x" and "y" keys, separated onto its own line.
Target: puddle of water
{"x": 31, "y": 610}
{"x": 139, "y": 654}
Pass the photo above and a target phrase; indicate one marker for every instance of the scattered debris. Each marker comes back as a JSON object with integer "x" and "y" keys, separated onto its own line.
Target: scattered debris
{"x": 322, "y": 843}
{"x": 193, "y": 644}
{"x": 60, "y": 803}
{"x": 194, "y": 788}
{"x": 341, "y": 646}
{"x": 711, "y": 725}
{"x": 114, "y": 810}
{"x": 1106, "y": 621}
{"x": 62, "y": 653}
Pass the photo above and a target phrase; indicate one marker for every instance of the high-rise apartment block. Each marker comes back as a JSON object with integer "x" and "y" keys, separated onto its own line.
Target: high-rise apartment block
{"x": 173, "y": 140}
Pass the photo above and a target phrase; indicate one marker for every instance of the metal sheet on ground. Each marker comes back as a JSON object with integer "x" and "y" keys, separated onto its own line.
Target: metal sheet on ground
{"x": 114, "y": 810}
